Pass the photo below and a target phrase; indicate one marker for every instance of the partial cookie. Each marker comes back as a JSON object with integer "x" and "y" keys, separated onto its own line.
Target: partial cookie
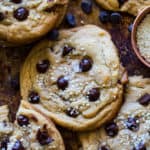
{"x": 23, "y": 21}
{"x": 130, "y": 130}
{"x": 74, "y": 80}
{"x": 32, "y": 131}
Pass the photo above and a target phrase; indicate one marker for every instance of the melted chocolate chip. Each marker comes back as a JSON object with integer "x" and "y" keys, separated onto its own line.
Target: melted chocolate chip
{"x": 34, "y": 97}
{"x": 62, "y": 83}
{"x": 43, "y": 137}
{"x": 42, "y": 66}
{"x": 72, "y": 112}
{"x": 130, "y": 27}
{"x": 71, "y": 20}
{"x": 132, "y": 124}
{"x": 115, "y": 18}
{"x": 22, "y": 120}
{"x": 104, "y": 147}
{"x": 140, "y": 146}
{"x": 86, "y": 6}
{"x": 145, "y": 99}
{"x": 67, "y": 50}
{"x": 53, "y": 35}
{"x": 86, "y": 64}
{"x": 104, "y": 16}
{"x": 94, "y": 94}
{"x": 2, "y": 17}
{"x": 4, "y": 142}
{"x": 21, "y": 14}
{"x": 111, "y": 129}
{"x": 16, "y": 1}
{"x": 18, "y": 146}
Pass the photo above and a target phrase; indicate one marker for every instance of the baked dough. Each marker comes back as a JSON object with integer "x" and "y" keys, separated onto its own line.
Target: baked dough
{"x": 74, "y": 80}
{"x": 131, "y": 133}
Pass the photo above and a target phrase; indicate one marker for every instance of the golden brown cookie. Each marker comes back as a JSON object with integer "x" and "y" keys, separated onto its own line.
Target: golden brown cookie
{"x": 130, "y": 130}
{"x": 74, "y": 80}
{"x": 24, "y": 21}
{"x": 31, "y": 131}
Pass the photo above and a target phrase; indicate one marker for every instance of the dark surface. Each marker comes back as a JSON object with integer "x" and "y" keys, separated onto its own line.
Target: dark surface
{"x": 11, "y": 59}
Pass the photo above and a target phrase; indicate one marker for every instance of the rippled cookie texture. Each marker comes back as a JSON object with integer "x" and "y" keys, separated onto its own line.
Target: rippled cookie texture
{"x": 31, "y": 131}
{"x": 130, "y": 6}
{"x": 23, "y": 21}
{"x": 74, "y": 80}
{"x": 130, "y": 130}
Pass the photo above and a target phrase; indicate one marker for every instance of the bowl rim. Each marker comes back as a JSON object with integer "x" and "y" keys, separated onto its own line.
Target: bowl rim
{"x": 137, "y": 21}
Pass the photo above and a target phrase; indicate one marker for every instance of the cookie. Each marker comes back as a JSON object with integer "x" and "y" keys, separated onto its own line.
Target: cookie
{"x": 74, "y": 80}
{"x": 130, "y": 130}
{"x": 130, "y": 6}
{"x": 24, "y": 21}
{"x": 31, "y": 130}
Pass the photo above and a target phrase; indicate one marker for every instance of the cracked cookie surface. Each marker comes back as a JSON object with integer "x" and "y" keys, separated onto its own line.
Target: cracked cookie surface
{"x": 131, "y": 128}
{"x": 23, "y": 21}
{"x": 74, "y": 80}
{"x": 31, "y": 131}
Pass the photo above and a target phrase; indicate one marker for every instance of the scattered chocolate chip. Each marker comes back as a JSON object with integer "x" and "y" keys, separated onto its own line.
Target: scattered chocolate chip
{"x": 94, "y": 94}
{"x": 18, "y": 146}
{"x": 33, "y": 97}
{"x": 115, "y": 18}
{"x": 3, "y": 143}
{"x": 104, "y": 16}
{"x": 72, "y": 112}
{"x": 86, "y": 64}
{"x": 22, "y": 120}
{"x": 104, "y": 147}
{"x": 132, "y": 124}
{"x": 43, "y": 137}
{"x": 67, "y": 50}
{"x": 16, "y": 1}
{"x": 21, "y": 13}
{"x": 53, "y": 35}
{"x": 86, "y": 6}
{"x": 71, "y": 20}
{"x": 42, "y": 66}
{"x": 62, "y": 83}
{"x": 140, "y": 146}
{"x": 130, "y": 27}
{"x": 145, "y": 99}
{"x": 111, "y": 129}
{"x": 2, "y": 17}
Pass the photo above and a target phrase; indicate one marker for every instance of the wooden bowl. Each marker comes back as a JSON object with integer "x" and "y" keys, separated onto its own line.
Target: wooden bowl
{"x": 137, "y": 21}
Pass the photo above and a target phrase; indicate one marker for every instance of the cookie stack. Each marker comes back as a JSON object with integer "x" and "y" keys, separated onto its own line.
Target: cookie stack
{"x": 73, "y": 79}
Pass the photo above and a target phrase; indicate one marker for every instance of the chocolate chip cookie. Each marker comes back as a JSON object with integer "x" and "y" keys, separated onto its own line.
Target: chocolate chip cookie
{"x": 23, "y": 21}
{"x": 130, "y": 6}
{"x": 74, "y": 80}
{"x": 130, "y": 130}
{"x": 31, "y": 130}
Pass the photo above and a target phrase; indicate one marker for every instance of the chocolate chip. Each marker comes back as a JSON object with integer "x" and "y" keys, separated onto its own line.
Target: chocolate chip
{"x": 42, "y": 66}
{"x": 33, "y": 97}
{"x": 94, "y": 94}
{"x": 22, "y": 120}
{"x": 140, "y": 146}
{"x": 67, "y": 50}
{"x": 21, "y": 13}
{"x": 122, "y": 1}
{"x": 4, "y": 142}
{"x": 43, "y": 137}
{"x": 18, "y": 146}
{"x": 71, "y": 20}
{"x": 132, "y": 124}
{"x": 86, "y": 6}
{"x": 115, "y": 18}
{"x": 86, "y": 64}
{"x": 104, "y": 147}
{"x": 145, "y": 99}
{"x": 111, "y": 129}
{"x": 72, "y": 112}
{"x": 130, "y": 27}
{"x": 2, "y": 17}
{"x": 104, "y": 16}
{"x": 62, "y": 83}
{"x": 16, "y": 1}
{"x": 53, "y": 35}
